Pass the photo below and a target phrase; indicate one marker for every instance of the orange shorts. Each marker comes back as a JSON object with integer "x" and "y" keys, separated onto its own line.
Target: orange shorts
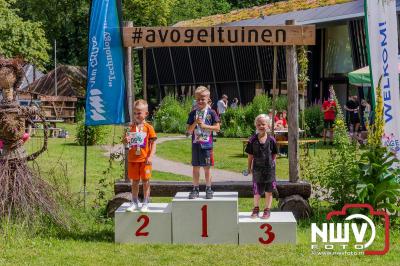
{"x": 139, "y": 171}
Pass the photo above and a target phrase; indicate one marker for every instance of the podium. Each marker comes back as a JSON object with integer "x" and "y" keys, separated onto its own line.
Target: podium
{"x": 202, "y": 221}
{"x": 206, "y": 221}
{"x": 153, "y": 226}
{"x": 280, "y": 227}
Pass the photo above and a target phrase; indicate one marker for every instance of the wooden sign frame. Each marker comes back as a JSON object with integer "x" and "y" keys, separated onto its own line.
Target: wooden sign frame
{"x": 219, "y": 36}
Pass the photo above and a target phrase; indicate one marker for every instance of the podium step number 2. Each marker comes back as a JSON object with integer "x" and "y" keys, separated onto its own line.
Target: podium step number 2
{"x": 153, "y": 226}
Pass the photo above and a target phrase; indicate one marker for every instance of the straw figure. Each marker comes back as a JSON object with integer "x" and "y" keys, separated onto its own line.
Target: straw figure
{"x": 23, "y": 194}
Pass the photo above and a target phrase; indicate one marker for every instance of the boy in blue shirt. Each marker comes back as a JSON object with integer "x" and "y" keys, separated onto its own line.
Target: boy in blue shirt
{"x": 202, "y": 122}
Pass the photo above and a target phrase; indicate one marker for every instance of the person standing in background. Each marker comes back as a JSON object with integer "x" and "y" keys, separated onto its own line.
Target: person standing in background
{"x": 235, "y": 103}
{"x": 329, "y": 109}
{"x": 353, "y": 108}
{"x": 222, "y": 104}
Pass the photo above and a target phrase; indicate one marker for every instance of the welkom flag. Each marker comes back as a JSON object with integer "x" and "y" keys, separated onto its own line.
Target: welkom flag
{"x": 383, "y": 51}
{"x": 105, "y": 91}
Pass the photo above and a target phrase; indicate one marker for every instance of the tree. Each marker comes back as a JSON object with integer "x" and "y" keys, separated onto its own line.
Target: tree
{"x": 192, "y": 9}
{"x": 65, "y": 21}
{"x": 20, "y": 37}
{"x": 148, "y": 12}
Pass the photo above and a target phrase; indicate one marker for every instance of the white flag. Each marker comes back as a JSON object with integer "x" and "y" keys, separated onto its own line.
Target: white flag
{"x": 383, "y": 52}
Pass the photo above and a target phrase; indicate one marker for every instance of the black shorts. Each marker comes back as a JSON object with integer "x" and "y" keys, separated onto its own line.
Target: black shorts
{"x": 261, "y": 188}
{"x": 354, "y": 119}
{"x": 329, "y": 124}
{"x": 202, "y": 157}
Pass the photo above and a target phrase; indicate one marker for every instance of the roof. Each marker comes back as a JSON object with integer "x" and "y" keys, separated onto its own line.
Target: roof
{"x": 303, "y": 12}
{"x": 346, "y": 11}
{"x": 71, "y": 81}
{"x": 259, "y": 11}
{"x": 31, "y": 74}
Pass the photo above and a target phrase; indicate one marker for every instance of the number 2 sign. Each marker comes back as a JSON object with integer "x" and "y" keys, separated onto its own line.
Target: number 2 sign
{"x": 146, "y": 221}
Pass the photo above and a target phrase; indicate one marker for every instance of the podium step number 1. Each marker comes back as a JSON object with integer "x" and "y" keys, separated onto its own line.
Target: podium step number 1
{"x": 208, "y": 221}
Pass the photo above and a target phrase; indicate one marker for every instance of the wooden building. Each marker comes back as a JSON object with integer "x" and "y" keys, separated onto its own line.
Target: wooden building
{"x": 243, "y": 72}
{"x": 58, "y": 92}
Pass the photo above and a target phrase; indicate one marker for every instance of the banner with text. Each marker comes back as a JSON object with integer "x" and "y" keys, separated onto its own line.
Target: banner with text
{"x": 383, "y": 50}
{"x": 219, "y": 36}
{"x": 105, "y": 91}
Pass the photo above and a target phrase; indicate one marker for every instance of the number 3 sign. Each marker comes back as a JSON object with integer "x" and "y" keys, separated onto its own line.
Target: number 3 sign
{"x": 268, "y": 232}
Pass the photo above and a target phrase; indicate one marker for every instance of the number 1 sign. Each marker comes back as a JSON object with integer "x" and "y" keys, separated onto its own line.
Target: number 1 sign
{"x": 208, "y": 221}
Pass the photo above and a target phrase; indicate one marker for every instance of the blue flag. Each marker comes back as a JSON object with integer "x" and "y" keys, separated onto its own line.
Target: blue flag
{"x": 105, "y": 91}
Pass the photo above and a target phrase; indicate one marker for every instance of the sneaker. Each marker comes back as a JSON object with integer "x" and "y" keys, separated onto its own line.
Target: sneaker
{"x": 209, "y": 193}
{"x": 134, "y": 206}
{"x": 194, "y": 194}
{"x": 266, "y": 214}
{"x": 256, "y": 211}
{"x": 145, "y": 207}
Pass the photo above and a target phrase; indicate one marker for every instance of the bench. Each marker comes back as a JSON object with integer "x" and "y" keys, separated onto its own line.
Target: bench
{"x": 306, "y": 142}
{"x": 53, "y": 131}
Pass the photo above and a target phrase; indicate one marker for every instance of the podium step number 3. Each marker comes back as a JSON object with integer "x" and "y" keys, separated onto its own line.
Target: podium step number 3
{"x": 279, "y": 228}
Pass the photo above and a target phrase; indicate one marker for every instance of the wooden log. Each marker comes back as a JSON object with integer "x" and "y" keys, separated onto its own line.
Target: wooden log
{"x": 293, "y": 110}
{"x": 244, "y": 188}
{"x": 116, "y": 202}
{"x": 296, "y": 204}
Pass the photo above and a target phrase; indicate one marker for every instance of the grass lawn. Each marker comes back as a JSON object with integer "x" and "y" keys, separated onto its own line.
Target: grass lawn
{"x": 228, "y": 154}
{"x": 90, "y": 241}
{"x": 66, "y": 158}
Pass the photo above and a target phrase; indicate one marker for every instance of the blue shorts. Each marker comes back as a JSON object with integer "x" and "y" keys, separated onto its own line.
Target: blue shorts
{"x": 202, "y": 157}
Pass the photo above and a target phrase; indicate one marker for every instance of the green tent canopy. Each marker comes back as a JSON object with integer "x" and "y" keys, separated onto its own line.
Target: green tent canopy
{"x": 361, "y": 77}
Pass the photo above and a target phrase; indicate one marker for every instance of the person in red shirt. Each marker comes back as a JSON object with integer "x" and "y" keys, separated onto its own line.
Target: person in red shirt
{"x": 329, "y": 109}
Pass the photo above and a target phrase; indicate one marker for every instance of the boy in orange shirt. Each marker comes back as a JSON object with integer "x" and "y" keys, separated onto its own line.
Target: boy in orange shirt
{"x": 141, "y": 141}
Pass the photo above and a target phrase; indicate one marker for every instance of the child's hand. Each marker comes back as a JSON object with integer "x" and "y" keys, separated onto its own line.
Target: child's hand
{"x": 127, "y": 139}
{"x": 199, "y": 121}
{"x": 149, "y": 160}
{"x": 203, "y": 126}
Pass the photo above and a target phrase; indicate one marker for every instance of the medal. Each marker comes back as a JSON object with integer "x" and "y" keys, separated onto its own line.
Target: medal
{"x": 138, "y": 151}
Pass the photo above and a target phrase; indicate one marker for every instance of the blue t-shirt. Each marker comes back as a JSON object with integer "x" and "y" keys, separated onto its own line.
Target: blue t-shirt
{"x": 200, "y": 136}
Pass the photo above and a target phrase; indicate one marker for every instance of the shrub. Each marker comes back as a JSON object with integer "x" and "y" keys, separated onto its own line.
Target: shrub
{"x": 95, "y": 134}
{"x": 172, "y": 115}
{"x": 379, "y": 183}
{"x": 314, "y": 119}
{"x": 338, "y": 175}
{"x": 281, "y": 103}
{"x": 235, "y": 124}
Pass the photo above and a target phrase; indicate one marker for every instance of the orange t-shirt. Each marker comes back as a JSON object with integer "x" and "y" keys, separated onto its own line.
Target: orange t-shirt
{"x": 143, "y": 138}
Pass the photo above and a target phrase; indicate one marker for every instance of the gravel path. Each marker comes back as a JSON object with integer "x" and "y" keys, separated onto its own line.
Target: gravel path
{"x": 163, "y": 165}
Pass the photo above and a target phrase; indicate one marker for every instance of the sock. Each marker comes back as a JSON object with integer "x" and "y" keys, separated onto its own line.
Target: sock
{"x": 208, "y": 187}
{"x": 196, "y": 188}
{"x": 146, "y": 200}
{"x": 135, "y": 200}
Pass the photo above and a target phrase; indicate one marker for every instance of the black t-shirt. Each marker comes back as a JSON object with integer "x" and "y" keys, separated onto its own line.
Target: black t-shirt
{"x": 272, "y": 144}
{"x": 352, "y": 105}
